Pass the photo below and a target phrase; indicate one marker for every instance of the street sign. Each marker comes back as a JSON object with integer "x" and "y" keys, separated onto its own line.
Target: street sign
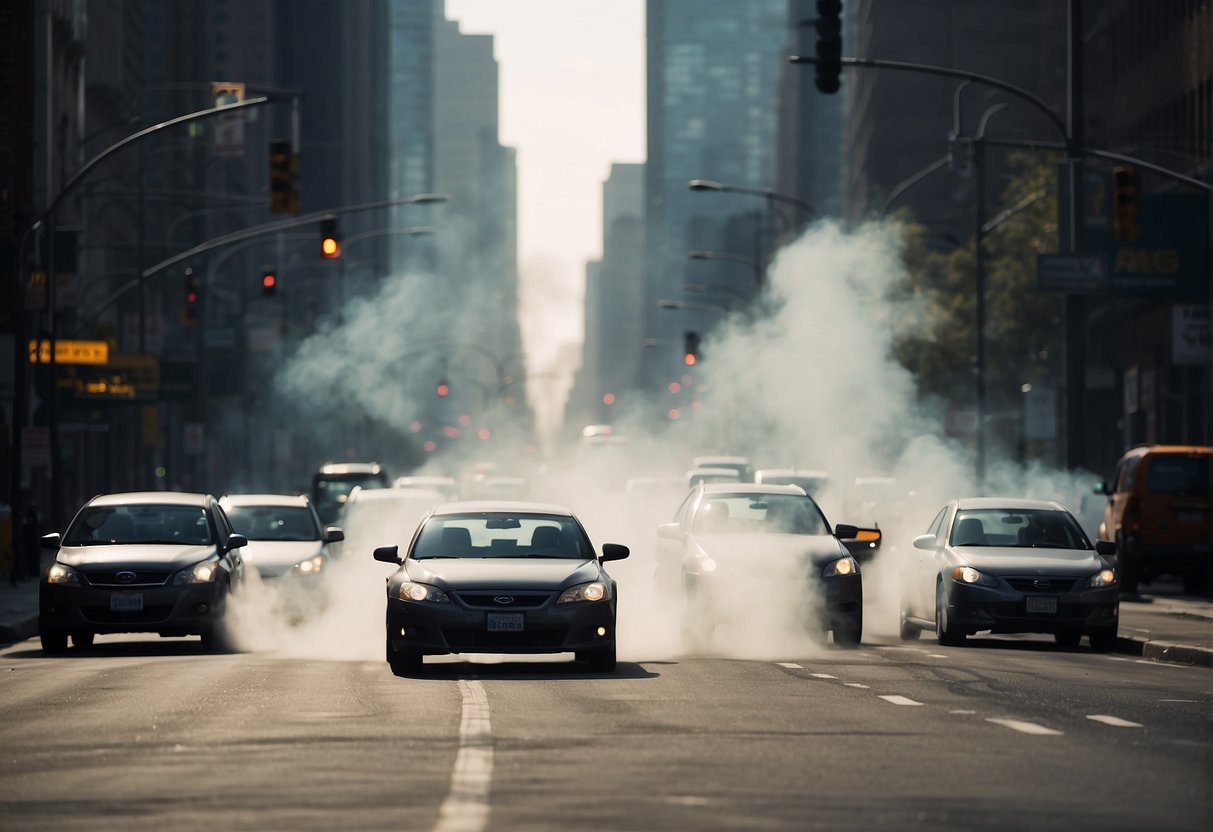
{"x": 1081, "y": 275}
{"x": 70, "y": 352}
{"x": 1190, "y": 341}
{"x": 229, "y": 128}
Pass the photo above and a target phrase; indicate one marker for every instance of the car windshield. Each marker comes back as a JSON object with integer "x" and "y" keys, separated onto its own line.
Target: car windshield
{"x": 1018, "y": 528}
{"x": 330, "y": 491}
{"x": 98, "y": 525}
{"x": 1179, "y": 476}
{"x": 759, "y": 513}
{"x": 274, "y": 522}
{"x": 502, "y": 535}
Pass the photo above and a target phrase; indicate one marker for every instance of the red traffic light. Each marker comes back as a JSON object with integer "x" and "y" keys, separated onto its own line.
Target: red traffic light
{"x": 443, "y": 390}
{"x": 269, "y": 283}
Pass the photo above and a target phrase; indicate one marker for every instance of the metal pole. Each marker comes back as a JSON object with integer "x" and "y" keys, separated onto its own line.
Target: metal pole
{"x": 979, "y": 280}
{"x": 1075, "y": 305}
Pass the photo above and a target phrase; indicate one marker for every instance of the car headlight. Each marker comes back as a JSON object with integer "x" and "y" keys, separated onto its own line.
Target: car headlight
{"x": 593, "y": 591}
{"x": 707, "y": 565}
{"x": 969, "y": 575}
{"x": 200, "y": 573}
{"x": 311, "y": 566}
{"x": 62, "y": 574}
{"x": 1105, "y": 577}
{"x": 842, "y": 566}
{"x": 410, "y": 591}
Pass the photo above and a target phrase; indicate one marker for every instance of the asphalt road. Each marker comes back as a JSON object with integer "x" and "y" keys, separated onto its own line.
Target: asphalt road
{"x": 1006, "y": 733}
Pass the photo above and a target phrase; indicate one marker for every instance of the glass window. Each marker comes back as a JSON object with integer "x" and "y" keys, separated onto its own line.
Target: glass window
{"x": 274, "y": 522}
{"x": 97, "y": 525}
{"x": 502, "y": 535}
{"x": 1180, "y": 476}
{"x": 759, "y": 513}
{"x": 1018, "y": 528}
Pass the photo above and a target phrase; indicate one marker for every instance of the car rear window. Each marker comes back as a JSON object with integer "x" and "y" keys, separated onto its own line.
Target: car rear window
{"x": 1179, "y": 476}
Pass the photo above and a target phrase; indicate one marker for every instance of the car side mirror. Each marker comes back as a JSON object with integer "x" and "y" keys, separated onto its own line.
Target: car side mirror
{"x": 845, "y": 531}
{"x": 1102, "y": 488}
{"x": 50, "y": 541}
{"x": 615, "y": 551}
{"x": 925, "y": 541}
{"x": 333, "y": 534}
{"x": 236, "y": 541}
{"x": 388, "y": 554}
{"x": 672, "y": 531}
{"x": 1105, "y": 547}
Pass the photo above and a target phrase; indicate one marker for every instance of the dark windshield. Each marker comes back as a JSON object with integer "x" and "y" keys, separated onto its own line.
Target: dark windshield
{"x": 329, "y": 491}
{"x": 499, "y": 535}
{"x": 759, "y": 513}
{"x": 186, "y": 525}
{"x": 274, "y": 522}
{"x": 1018, "y": 528}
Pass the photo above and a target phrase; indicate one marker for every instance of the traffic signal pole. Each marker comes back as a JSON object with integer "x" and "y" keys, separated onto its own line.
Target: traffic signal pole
{"x": 1075, "y": 304}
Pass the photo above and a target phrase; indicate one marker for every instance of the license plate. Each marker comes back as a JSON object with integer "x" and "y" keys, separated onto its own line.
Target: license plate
{"x": 505, "y": 622}
{"x": 126, "y": 602}
{"x": 1042, "y": 604}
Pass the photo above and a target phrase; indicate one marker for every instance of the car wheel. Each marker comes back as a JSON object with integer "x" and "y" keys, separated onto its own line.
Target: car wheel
{"x": 1195, "y": 582}
{"x": 848, "y": 631}
{"x": 1103, "y": 641}
{"x": 945, "y": 632}
{"x": 404, "y": 662}
{"x": 603, "y": 661}
{"x": 213, "y": 640}
{"x": 1067, "y": 638}
{"x": 908, "y": 631}
{"x": 52, "y": 641}
{"x": 83, "y": 639}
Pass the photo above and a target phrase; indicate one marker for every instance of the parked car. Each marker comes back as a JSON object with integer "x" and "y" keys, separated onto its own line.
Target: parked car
{"x": 1158, "y": 513}
{"x": 1010, "y": 566}
{"x": 332, "y": 484}
{"x": 500, "y": 577}
{"x": 159, "y": 561}
{"x": 741, "y": 537}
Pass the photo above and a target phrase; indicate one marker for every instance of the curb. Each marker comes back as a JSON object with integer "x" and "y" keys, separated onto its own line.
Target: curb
{"x": 19, "y": 630}
{"x": 1165, "y": 651}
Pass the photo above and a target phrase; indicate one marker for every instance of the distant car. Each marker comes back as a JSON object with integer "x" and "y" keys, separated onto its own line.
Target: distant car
{"x": 740, "y": 464}
{"x": 1158, "y": 513}
{"x": 380, "y": 516}
{"x": 287, "y": 546}
{"x": 875, "y": 500}
{"x": 500, "y": 577}
{"x": 142, "y": 562}
{"x": 814, "y": 482}
{"x": 698, "y": 476}
{"x": 753, "y": 539}
{"x": 1010, "y": 566}
{"x": 496, "y": 487}
{"x": 332, "y": 484}
{"x": 447, "y": 485}
{"x": 656, "y": 490}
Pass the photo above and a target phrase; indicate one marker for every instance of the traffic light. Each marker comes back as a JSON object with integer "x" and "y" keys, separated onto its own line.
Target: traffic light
{"x": 829, "y": 45}
{"x": 284, "y": 178}
{"x": 443, "y": 389}
{"x": 269, "y": 283}
{"x": 193, "y": 296}
{"x": 691, "y": 348}
{"x": 1126, "y": 204}
{"x": 330, "y": 239}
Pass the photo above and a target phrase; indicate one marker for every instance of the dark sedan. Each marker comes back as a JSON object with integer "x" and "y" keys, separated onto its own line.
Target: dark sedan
{"x": 735, "y": 546}
{"x": 500, "y": 577}
{"x": 1010, "y": 566}
{"x": 146, "y": 562}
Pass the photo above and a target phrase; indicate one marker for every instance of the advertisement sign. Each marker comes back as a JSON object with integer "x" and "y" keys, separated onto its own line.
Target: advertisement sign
{"x": 1190, "y": 343}
{"x": 229, "y": 129}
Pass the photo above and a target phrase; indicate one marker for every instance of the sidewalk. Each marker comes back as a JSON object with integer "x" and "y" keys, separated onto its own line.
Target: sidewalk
{"x": 1165, "y": 627}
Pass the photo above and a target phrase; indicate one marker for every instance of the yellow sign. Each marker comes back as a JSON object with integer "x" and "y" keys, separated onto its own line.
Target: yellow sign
{"x": 70, "y": 352}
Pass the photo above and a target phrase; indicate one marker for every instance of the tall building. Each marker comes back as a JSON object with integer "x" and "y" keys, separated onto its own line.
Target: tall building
{"x": 410, "y": 132}
{"x": 713, "y": 78}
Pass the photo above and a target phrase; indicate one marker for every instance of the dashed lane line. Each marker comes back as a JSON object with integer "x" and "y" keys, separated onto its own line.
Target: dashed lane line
{"x": 789, "y": 665}
{"x": 822, "y": 676}
{"x": 936, "y": 656}
{"x": 899, "y": 700}
{"x": 1114, "y": 721}
{"x": 466, "y": 808}
{"x": 960, "y": 712}
{"x": 1025, "y": 727}
{"x": 856, "y": 685}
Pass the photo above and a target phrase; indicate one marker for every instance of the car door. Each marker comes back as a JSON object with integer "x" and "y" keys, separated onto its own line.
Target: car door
{"x": 232, "y": 560}
{"x": 671, "y": 546}
{"x": 925, "y": 566}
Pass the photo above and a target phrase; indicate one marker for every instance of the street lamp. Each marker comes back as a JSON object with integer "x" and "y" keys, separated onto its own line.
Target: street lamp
{"x": 754, "y": 265}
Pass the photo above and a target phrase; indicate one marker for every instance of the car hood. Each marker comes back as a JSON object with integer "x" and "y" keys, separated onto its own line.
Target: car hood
{"x": 732, "y": 551}
{"x": 502, "y": 573}
{"x": 167, "y": 555}
{"x": 274, "y": 557}
{"x": 1017, "y": 561}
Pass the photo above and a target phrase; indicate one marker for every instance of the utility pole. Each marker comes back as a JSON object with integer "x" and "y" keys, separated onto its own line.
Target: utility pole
{"x": 1075, "y": 305}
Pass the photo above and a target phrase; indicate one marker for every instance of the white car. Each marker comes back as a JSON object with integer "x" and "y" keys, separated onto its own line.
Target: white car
{"x": 447, "y": 485}
{"x": 374, "y": 517}
{"x": 284, "y": 533}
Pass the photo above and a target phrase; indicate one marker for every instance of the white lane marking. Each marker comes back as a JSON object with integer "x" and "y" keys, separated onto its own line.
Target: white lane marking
{"x": 822, "y": 676}
{"x": 1135, "y": 629}
{"x": 1025, "y": 727}
{"x": 962, "y": 712}
{"x": 936, "y": 656}
{"x": 899, "y": 700}
{"x": 789, "y": 665}
{"x": 1114, "y": 721}
{"x": 856, "y": 685}
{"x": 466, "y": 808}
{"x": 1118, "y": 659}
{"x": 1179, "y": 700}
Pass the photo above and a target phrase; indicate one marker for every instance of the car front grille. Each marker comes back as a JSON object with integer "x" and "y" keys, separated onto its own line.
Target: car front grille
{"x": 496, "y": 600}
{"x": 1049, "y": 586}
{"x": 104, "y": 615}
{"x": 480, "y": 640}
{"x": 109, "y": 579}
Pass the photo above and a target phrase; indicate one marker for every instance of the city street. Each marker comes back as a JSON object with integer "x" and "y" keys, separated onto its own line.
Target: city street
{"x": 1005, "y": 733}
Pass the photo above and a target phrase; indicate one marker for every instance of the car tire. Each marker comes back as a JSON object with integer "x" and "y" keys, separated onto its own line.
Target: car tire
{"x": 908, "y": 631}
{"x": 404, "y": 662}
{"x": 1128, "y": 566}
{"x": 602, "y": 661}
{"x": 1195, "y": 582}
{"x": 213, "y": 640}
{"x": 53, "y": 641}
{"x": 1068, "y": 638}
{"x": 945, "y": 632}
{"x": 82, "y": 639}
{"x": 1103, "y": 641}
{"x": 848, "y": 632}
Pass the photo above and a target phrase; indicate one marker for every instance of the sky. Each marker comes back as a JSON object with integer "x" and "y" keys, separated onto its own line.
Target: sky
{"x": 572, "y": 99}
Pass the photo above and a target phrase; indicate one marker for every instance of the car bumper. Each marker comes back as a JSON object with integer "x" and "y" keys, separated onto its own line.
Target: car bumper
{"x": 454, "y": 627}
{"x": 828, "y": 600}
{"x": 999, "y": 610}
{"x": 191, "y": 609}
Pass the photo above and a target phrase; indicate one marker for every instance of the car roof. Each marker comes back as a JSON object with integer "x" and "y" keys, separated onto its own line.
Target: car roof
{"x": 1010, "y": 503}
{"x": 723, "y": 472}
{"x": 502, "y": 506}
{"x": 384, "y": 495}
{"x": 350, "y": 468}
{"x": 183, "y": 498}
{"x": 751, "y": 488}
{"x": 791, "y": 472}
{"x": 1142, "y": 450}
{"x": 240, "y": 500}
